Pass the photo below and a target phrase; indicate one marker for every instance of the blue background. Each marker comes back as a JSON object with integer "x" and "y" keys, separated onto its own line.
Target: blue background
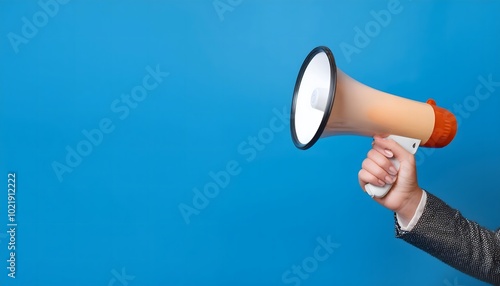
{"x": 229, "y": 73}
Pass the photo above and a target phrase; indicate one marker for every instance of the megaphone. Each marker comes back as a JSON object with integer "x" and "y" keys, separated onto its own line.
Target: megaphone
{"x": 327, "y": 102}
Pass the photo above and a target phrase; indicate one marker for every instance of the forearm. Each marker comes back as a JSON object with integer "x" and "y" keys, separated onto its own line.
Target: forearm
{"x": 444, "y": 233}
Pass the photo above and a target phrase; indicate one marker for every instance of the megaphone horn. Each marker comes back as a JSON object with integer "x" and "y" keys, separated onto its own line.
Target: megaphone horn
{"x": 328, "y": 102}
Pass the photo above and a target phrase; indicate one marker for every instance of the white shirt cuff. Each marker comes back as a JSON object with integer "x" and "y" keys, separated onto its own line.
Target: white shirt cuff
{"x": 408, "y": 226}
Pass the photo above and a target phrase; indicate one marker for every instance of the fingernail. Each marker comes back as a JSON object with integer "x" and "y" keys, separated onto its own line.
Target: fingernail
{"x": 392, "y": 171}
{"x": 388, "y": 153}
{"x": 381, "y": 183}
{"x": 389, "y": 179}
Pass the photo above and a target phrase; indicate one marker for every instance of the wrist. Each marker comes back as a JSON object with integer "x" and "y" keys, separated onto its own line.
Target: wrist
{"x": 409, "y": 206}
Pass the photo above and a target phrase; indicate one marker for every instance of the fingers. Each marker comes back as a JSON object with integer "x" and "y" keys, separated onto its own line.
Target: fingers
{"x": 376, "y": 170}
{"x": 391, "y": 148}
{"x": 385, "y": 152}
{"x": 381, "y": 158}
{"x": 366, "y": 177}
{"x": 387, "y": 147}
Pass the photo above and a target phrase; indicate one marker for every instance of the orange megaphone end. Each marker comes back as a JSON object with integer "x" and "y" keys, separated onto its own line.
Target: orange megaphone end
{"x": 445, "y": 127}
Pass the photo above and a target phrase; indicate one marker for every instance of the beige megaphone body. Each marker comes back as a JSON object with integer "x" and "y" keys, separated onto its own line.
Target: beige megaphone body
{"x": 328, "y": 102}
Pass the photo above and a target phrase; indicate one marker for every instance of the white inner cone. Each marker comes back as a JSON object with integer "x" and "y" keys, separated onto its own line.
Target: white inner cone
{"x": 312, "y": 98}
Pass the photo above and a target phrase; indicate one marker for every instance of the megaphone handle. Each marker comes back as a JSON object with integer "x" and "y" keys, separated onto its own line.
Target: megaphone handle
{"x": 411, "y": 145}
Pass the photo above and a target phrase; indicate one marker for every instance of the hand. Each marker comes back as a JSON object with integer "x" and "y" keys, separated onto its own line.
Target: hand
{"x": 405, "y": 194}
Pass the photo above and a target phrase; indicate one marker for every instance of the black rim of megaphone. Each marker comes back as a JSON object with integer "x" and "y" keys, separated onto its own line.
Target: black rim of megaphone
{"x": 331, "y": 93}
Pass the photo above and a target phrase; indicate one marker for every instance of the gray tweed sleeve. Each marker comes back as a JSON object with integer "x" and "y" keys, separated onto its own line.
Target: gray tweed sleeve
{"x": 445, "y": 234}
